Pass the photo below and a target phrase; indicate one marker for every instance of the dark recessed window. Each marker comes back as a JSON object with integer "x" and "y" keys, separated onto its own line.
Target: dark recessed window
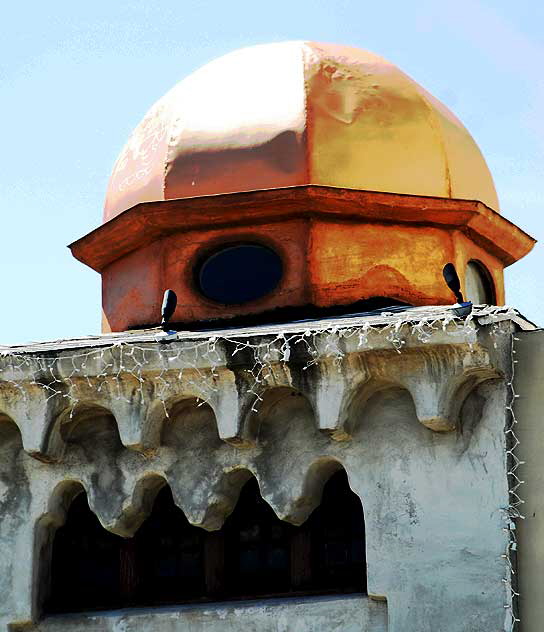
{"x": 257, "y": 547}
{"x": 239, "y": 273}
{"x": 85, "y": 568}
{"x": 168, "y": 556}
{"x": 169, "y": 561}
{"x": 266, "y": 557}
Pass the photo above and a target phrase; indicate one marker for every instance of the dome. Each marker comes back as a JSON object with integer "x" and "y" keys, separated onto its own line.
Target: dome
{"x": 295, "y": 113}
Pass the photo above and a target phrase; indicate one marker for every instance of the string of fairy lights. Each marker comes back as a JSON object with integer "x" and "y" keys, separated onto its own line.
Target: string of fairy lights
{"x": 192, "y": 361}
{"x": 512, "y": 513}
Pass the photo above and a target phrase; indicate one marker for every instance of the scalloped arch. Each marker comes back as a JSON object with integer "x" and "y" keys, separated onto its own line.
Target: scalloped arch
{"x": 353, "y": 407}
{"x": 269, "y": 399}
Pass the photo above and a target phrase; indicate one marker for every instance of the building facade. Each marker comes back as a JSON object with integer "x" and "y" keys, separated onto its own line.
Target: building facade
{"x": 319, "y": 440}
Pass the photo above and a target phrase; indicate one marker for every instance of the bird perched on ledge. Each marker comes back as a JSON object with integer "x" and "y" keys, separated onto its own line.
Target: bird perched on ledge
{"x": 169, "y": 303}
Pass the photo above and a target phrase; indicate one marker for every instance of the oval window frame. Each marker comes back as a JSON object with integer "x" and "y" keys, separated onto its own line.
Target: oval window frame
{"x": 212, "y": 252}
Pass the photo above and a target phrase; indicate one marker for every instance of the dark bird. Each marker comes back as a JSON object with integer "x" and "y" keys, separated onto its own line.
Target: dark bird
{"x": 169, "y": 303}
{"x": 463, "y": 308}
{"x": 451, "y": 278}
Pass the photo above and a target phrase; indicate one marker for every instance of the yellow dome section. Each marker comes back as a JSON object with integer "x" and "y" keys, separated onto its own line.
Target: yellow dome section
{"x": 373, "y": 127}
{"x": 297, "y": 113}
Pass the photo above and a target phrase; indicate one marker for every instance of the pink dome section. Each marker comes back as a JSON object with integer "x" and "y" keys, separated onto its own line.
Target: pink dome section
{"x": 294, "y": 113}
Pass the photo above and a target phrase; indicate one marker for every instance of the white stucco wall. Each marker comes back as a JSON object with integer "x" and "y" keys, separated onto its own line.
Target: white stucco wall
{"x": 432, "y": 500}
{"x": 529, "y": 408}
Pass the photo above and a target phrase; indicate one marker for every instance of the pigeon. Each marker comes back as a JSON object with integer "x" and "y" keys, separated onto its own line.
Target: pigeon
{"x": 462, "y": 307}
{"x": 169, "y": 303}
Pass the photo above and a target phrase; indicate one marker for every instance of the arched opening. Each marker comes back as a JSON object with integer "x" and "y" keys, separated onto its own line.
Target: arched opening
{"x": 268, "y": 557}
{"x": 479, "y": 288}
{"x": 165, "y": 558}
{"x": 85, "y": 563}
{"x": 336, "y": 530}
{"x": 11, "y": 453}
{"x": 169, "y": 561}
{"x": 93, "y": 569}
{"x": 257, "y": 547}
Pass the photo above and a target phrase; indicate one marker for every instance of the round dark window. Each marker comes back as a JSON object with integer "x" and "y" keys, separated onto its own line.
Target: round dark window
{"x": 239, "y": 273}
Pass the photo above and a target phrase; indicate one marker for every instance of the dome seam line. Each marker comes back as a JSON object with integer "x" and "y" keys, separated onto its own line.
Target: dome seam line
{"x": 436, "y": 128}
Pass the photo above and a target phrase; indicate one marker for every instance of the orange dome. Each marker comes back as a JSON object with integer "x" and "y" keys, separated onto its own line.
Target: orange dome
{"x": 298, "y": 113}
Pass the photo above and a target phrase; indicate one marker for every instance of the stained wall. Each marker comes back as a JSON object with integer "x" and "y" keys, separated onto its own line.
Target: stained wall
{"x": 529, "y": 406}
{"x": 417, "y": 421}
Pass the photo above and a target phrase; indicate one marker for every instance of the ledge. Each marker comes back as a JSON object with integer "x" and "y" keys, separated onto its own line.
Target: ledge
{"x": 149, "y": 221}
{"x": 336, "y": 365}
{"x": 334, "y": 614}
{"x": 427, "y": 315}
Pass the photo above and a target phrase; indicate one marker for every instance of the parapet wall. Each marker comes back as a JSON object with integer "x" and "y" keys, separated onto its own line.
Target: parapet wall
{"x": 414, "y": 409}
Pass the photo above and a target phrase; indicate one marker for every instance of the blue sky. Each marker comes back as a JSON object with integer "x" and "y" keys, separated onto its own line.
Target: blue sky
{"x": 75, "y": 79}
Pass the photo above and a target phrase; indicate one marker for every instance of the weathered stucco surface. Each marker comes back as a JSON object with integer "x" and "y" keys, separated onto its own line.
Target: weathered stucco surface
{"x": 330, "y": 614}
{"x": 420, "y": 434}
{"x": 529, "y": 409}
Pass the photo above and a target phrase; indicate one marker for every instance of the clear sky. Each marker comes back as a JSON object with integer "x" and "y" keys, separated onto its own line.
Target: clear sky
{"x": 76, "y": 78}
